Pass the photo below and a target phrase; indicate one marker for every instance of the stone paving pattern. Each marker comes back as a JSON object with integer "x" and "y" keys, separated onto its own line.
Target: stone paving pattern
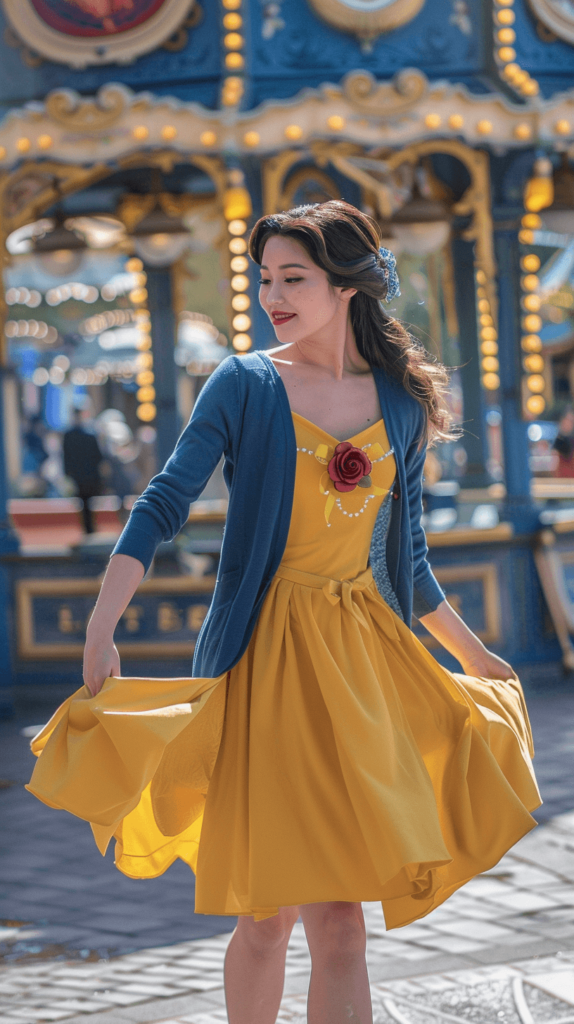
{"x": 52, "y": 877}
{"x": 529, "y": 992}
{"x": 522, "y": 908}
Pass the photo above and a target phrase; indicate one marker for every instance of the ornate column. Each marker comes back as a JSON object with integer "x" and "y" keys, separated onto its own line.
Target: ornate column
{"x": 9, "y": 542}
{"x": 474, "y": 438}
{"x": 519, "y": 507}
{"x": 163, "y": 327}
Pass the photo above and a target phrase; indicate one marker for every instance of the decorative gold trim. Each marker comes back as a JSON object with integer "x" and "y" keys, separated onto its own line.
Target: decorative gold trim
{"x": 368, "y": 96}
{"x": 310, "y": 173}
{"x": 34, "y": 186}
{"x": 462, "y": 536}
{"x": 367, "y": 19}
{"x": 81, "y": 52}
{"x": 102, "y": 111}
{"x": 341, "y": 156}
{"x": 361, "y": 166}
{"x": 552, "y": 487}
{"x": 178, "y": 41}
{"x": 475, "y": 201}
{"x": 368, "y": 115}
{"x": 554, "y": 18}
{"x": 24, "y": 195}
{"x": 274, "y": 172}
{"x": 26, "y": 590}
{"x": 487, "y": 574}
{"x": 564, "y": 527}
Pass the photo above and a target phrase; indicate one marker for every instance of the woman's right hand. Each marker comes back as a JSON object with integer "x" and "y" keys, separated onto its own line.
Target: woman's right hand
{"x": 101, "y": 659}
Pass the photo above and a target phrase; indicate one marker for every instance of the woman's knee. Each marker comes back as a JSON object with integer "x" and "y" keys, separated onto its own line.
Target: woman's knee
{"x": 337, "y": 932}
{"x": 267, "y": 936}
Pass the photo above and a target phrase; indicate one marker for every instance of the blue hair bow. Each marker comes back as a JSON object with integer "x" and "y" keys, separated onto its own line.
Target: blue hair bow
{"x": 393, "y": 285}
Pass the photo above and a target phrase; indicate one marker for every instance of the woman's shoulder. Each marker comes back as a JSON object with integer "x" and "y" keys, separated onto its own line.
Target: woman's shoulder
{"x": 234, "y": 368}
{"x": 253, "y": 369}
{"x": 240, "y": 378}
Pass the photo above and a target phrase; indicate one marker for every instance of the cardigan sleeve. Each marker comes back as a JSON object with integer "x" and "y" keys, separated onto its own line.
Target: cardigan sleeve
{"x": 163, "y": 508}
{"x": 427, "y": 593}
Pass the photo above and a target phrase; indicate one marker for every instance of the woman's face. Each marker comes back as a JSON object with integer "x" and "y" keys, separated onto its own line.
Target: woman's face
{"x": 295, "y": 293}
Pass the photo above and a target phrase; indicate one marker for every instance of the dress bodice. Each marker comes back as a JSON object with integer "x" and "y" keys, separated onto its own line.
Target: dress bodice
{"x": 331, "y": 530}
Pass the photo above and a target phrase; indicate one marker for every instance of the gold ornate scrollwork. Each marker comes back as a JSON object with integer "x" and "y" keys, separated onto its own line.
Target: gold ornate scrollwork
{"x": 133, "y": 208}
{"x": 350, "y": 161}
{"x": 557, "y": 18}
{"x": 475, "y": 202}
{"x": 27, "y": 192}
{"x": 383, "y": 99}
{"x": 166, "y": 159}
{"x": 68, "y": 109}
{"x": 178, "y": 41}
{"x": 311, "y": 176}
{"x": 367, "y": 20}
{"x": 275, "y": 170}
{"x": 354, "y": 163}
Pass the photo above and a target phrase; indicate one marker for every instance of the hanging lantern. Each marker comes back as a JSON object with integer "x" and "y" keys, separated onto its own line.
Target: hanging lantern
{"x": 422, "y": 225}
{"x": 160, "y": 239}
{"x": 539, "y": 189}
{"x": 237, "y": 203}
{"x": 60, "y": 249}
{"x": 159, "y": 234}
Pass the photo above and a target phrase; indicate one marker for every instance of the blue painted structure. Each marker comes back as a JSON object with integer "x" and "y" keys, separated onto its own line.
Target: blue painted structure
{"x": 448, "y": 41}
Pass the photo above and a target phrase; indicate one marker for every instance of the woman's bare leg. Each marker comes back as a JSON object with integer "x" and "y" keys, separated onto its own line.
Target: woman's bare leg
{"x": 255, "y": 967}
{"x": 339, "y": 992}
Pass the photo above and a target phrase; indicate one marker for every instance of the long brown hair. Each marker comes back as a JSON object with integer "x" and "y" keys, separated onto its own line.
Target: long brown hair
{"x": 343, "y": 241}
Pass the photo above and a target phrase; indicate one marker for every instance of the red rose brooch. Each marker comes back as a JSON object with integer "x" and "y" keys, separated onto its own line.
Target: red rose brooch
{"x": 349, "y": 467}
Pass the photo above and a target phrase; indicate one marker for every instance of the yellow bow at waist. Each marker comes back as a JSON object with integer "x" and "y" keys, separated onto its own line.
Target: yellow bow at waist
{"x": 341, "y": 591}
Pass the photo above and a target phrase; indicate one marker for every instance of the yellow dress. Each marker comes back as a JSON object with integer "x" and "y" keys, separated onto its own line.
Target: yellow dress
{"x": 336, "y": 761}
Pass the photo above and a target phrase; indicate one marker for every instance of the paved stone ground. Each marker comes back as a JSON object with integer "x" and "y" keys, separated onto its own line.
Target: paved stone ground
{"x": 54, "y": 879}
{"x": 530, "y": 992}
{"x": 521, "y": 909}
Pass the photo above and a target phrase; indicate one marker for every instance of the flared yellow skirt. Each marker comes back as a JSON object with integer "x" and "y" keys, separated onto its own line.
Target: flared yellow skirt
{"x": 337, "y": 761}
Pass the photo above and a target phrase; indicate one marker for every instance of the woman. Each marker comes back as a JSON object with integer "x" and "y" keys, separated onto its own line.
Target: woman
{"x": 328, "y": 758}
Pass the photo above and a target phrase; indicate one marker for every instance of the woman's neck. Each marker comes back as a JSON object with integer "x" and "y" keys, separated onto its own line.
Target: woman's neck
{"x": 335, "y": 351}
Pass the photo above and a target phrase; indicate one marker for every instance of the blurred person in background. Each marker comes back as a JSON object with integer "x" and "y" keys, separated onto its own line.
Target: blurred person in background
{"x": 82, "y": 460}
{"x": 34, "y": 454}
{"x": 564, "y": 444}
{"x": 119, "y": 451}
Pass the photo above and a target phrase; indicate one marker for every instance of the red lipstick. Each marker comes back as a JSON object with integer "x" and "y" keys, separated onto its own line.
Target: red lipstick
{"x": 278, "y": 317}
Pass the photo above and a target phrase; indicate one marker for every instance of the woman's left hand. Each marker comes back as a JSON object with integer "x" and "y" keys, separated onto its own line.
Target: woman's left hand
{"x": 487, "y": 666}
{"x": 449, "y": 629}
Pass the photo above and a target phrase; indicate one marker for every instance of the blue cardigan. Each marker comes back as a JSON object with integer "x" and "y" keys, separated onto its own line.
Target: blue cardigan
{"x": 243, "y": 413}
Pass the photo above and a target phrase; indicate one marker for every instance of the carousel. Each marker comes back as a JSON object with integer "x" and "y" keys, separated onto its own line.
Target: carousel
{"x": 138, "y": 143}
